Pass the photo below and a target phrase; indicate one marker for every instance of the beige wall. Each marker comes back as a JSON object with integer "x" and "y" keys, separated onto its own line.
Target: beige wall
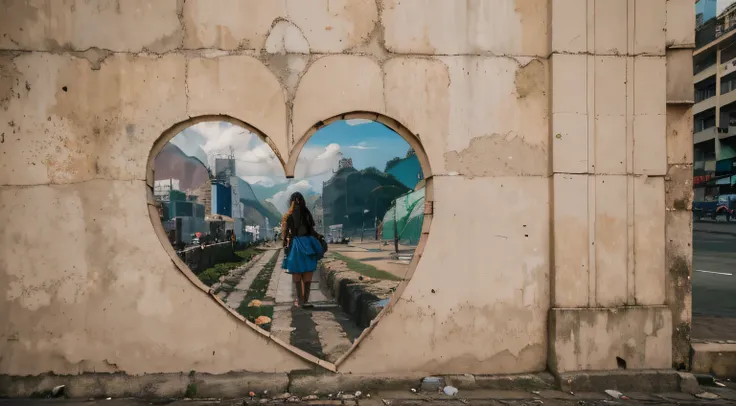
{"x": 545, "y": 126}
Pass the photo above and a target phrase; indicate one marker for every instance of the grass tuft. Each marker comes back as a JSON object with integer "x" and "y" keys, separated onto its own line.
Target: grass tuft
{"x": 257, "y": 290}
{"x": 365, "y": 269}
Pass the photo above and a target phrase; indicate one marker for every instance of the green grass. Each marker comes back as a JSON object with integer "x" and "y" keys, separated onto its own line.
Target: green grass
{"x": 211, "y": 275}
{"x": 257, "y": 291}
{"x": 365, "y": 269}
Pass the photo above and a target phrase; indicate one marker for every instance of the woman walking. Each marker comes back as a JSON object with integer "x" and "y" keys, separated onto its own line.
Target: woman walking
{"x": 302, "y": 249}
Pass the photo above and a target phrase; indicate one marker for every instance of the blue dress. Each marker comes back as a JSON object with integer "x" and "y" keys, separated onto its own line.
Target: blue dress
{"x": 302, "y": 255}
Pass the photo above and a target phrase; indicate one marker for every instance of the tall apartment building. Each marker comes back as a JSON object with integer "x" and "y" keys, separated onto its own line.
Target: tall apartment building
{"x": 714, "y": 113}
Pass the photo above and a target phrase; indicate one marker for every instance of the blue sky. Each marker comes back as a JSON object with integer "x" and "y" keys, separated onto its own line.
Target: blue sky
{"x": 368, "y": 143}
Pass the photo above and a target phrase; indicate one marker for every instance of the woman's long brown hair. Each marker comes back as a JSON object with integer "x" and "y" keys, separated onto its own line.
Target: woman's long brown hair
{"x": 283, "y": 221}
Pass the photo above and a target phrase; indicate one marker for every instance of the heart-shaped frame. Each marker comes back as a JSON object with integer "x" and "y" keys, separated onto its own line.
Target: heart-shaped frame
{"x": 289, "y": 166}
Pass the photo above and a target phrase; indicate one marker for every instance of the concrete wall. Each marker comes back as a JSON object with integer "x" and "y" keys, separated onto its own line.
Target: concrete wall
{"x": 558, "y": 107}
{"x": 199, "y": 259}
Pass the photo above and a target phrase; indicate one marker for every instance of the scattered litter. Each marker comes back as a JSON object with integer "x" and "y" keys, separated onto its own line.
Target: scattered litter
{"x": 347, "y": 397}
{"x": 572, "y": 393}
{"x": 358, "y": 393}
{"x": 292, "y": 399}
{"x": 262, "y": 320}
{"x": 254, "y": 303}
{"x": 706, "y": 380}
{"x": 707, "y": 395}
{"x": 310, "y": 397}
{"x": 413, "y": 390}
{"x": 450, "y": 390}
{"x": 536, "y": 392}
{"x": 386, "y": 402}
{"x": 263, "y": 401}
{"x": 108, "y": 399}
{"x": 615, "y": 394}
{"x": 368, "y": 395}
{"x": 251, "y": 394}
{"x": 721, "y": 384}
{"x": 282, "y": 396}
{"x": 329, "y": 396}
{"x": 58, "y": 390}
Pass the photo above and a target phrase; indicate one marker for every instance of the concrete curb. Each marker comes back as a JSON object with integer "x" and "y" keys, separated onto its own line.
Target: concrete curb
{"x": 643, "y": 381}
{"x": 236, "y": 385}
{"x": 352, "y": 296}
{"x": 322, "y": 384}
{"x": 714, "y": 358}
{"x": 164, "y": 385}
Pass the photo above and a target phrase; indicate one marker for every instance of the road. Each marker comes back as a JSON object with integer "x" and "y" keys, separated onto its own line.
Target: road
{"x": 714, "y": 281}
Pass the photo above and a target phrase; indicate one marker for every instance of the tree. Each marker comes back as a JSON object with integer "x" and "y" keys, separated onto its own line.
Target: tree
{"x": 391, "y": 163}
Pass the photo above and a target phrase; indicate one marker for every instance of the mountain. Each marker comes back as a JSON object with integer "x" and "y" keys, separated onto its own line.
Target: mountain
{"x": 351, "y": 197}
{"x": 172, "y": 163}
{"x": 266, "y": 192}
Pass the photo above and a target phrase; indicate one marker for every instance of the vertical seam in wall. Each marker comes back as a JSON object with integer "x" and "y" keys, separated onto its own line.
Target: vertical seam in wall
{"x": 551, "y": 184}
{"x": 630, "y": 177}
{"x": 186, "y": 86}
{"x": 590, "y": 94}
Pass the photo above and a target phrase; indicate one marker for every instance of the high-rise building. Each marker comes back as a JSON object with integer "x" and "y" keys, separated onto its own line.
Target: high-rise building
{"x": 714, "y": 112}
{"x": 704, "y": 11}
{"x": 161, "y": 188}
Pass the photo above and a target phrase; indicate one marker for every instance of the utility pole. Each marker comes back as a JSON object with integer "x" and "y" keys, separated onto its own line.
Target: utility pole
{"x": 396, "y": 230}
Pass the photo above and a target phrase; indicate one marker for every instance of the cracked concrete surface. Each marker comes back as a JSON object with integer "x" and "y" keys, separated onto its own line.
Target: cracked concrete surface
{"x": 88, "y": 89}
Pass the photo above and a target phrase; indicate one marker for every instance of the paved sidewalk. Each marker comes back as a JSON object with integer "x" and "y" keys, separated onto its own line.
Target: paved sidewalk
{"x": 726, "y": 396}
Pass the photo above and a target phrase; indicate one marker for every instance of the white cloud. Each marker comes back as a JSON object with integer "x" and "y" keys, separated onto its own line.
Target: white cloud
{"x": 357, "y": 121}
{"x": 362, "y": 145}
{"x": 266, "y": 181}
{"x": 255, "y": 161}
{"x": 281, "y": 199}
{"x": 316, "y": 161}
{"x": 215, "y": 139}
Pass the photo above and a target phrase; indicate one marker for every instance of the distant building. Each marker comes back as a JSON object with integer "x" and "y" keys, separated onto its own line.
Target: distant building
{"x": 204, "y": 196}
{"x": 345, "y": 163}
{"x": 705, "y": 10}
{"x": 161, "y": 188}
{"x": 224, "y": 168}
{"x": 318, "y": 214}
{"x": 714, "y": 112}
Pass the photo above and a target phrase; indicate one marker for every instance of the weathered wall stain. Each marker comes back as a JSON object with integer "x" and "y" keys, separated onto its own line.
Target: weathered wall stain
{"x": 510, "y": 156}
{"x": 8, "y": 80}
{"x": 531, "y": 79}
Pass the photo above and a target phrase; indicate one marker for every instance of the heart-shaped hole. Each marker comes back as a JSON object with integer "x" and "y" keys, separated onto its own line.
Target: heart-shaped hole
{"x": 226, "y": 206}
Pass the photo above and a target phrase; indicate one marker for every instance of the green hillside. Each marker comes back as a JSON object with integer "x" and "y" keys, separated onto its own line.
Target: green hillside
{"x": 349, "y": 193}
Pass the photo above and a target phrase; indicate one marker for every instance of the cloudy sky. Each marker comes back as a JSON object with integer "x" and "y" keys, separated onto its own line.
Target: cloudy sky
{"x": 368, "y": 144}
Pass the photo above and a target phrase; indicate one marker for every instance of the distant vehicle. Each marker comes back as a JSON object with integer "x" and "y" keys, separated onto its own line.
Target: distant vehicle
{"x": 723, "y": 206}
{"x": 195, "y": 241}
